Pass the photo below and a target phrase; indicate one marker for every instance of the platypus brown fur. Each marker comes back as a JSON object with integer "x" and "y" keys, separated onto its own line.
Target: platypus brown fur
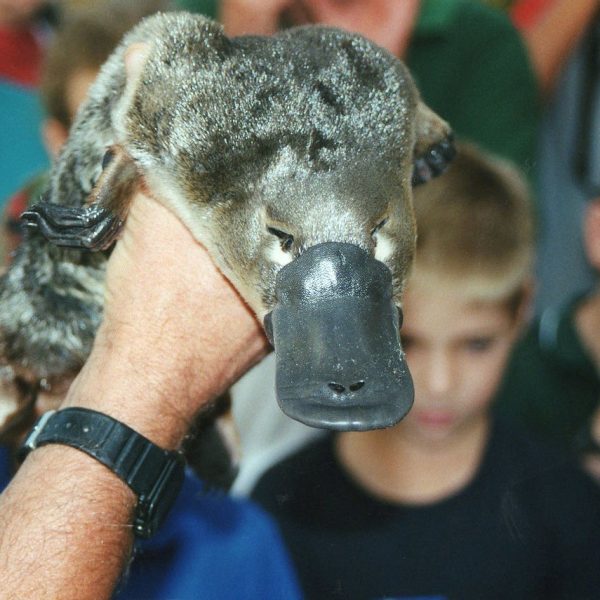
{"x": 264, "y": 147}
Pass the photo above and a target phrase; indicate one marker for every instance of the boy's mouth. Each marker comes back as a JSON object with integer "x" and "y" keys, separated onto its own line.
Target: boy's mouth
{"x": 434, "y": 418}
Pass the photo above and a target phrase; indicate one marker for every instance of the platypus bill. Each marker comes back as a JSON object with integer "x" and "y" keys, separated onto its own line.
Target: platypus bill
{"x": 291, "y": 159}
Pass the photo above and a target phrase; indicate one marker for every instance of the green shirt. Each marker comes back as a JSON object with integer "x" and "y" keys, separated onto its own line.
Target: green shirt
{"x": 472, "y": 68}
{"x": 551, "y": 384}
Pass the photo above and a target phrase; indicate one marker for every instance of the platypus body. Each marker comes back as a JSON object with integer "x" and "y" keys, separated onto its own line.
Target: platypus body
{"x": 291, "y": 158}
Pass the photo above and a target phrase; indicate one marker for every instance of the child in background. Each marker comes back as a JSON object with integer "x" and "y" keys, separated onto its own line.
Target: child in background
{"x": 450, "y": 503}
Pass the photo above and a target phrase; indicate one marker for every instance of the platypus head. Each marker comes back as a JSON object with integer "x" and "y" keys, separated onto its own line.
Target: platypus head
{"x": 292, "y": 159}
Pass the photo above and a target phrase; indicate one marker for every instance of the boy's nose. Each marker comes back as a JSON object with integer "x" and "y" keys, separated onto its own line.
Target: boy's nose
{"x": 439, "y": 375}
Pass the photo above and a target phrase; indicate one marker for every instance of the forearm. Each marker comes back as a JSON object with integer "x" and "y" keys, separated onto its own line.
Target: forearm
{"x": 553, "y": 37}
{"x": 57, "y": 518}
{"x": 65, "y": 519}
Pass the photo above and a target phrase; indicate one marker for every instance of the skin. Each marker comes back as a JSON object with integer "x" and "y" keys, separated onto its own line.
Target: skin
{"x": 456, "y": 350}
{"x": 388, "y": 23}
{"x": 167, "y": 365}
{"x": 553, "y": 37}
{"x": 587, "y": 317}
{"x": 15, "y": 13}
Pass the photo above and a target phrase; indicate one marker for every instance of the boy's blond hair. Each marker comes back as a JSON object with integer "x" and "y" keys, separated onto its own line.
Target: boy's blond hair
{"x": 475, "y": 227}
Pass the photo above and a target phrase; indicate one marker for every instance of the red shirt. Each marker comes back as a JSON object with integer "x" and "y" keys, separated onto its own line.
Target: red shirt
{"x": 525, "y": 13}
{"x": 20, "y": 56}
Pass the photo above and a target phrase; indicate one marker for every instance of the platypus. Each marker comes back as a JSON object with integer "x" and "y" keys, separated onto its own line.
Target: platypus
{"x": 291, "y": 158}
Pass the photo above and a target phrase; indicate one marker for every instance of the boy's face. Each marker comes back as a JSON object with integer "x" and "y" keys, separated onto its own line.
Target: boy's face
{"x": 14, "y": 12}
{"x": 456, "y": 351}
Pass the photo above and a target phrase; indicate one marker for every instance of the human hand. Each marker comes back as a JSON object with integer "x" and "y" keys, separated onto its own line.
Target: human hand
{"x": 388, "y": 23}
{"x": 175, "y": 333}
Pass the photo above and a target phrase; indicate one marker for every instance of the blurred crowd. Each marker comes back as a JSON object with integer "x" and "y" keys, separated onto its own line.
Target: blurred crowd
{"x": 501, "y": 315}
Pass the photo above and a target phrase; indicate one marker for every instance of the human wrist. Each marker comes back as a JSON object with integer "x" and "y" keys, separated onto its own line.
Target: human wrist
{"x": 107, "y": 388}
{"x": 159, "y": 394}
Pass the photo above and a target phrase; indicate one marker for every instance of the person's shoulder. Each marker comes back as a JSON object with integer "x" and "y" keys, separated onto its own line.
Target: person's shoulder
{"x": 481, "y": 26}
{"x": 289, "y": 484}
{"x": 524, "y": 451}
{"x": 543, "y": 476}
{"x": 481, "y": 13}
{"x": 204, "y": 513}
{"x": 214, "y": 546}
{"x": 484, "y": 42}
{"x": 448, "y": 15}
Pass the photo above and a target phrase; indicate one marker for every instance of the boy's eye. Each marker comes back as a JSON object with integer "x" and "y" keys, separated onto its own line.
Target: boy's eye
{"x": 479, "y": 344}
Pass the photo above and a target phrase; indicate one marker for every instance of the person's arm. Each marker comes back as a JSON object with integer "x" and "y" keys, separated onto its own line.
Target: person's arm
{"x": 175, "y": 334}
{"x": 553, "y": 36}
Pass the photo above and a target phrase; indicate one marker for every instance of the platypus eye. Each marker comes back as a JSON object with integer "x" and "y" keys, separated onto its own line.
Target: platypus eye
{"x": 286, "y": 239}
{"x": 379, "y": 226}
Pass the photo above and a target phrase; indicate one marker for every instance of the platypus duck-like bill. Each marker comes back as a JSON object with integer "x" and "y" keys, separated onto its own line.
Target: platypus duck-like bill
{"x": 335, "y": 330}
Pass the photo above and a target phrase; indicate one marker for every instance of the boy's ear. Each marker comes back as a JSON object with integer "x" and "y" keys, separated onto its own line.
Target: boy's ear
{"x": 525, "y": 306}
{"x": 434, "y": 145}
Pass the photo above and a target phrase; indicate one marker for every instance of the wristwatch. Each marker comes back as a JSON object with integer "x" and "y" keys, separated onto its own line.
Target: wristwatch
{"x": 155, "y": 475}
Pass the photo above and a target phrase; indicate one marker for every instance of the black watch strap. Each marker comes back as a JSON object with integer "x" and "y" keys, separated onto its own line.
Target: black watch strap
{"x": 155, "y": 475}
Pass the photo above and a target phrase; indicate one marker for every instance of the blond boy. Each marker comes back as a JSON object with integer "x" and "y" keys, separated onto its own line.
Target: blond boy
{"x": 449, "y": 503}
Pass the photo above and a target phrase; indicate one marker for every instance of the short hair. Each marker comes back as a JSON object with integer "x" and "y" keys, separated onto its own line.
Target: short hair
{"x": 84, "y": 40}
{"x": 475, "y": 227}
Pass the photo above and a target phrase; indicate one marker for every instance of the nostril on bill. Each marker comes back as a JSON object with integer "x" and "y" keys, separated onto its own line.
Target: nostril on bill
{"x": 336, "y": 387}
{"x": 356, "y": 386}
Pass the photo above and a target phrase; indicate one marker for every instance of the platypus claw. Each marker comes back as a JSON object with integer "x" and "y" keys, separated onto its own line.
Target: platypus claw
{"x": 434, "y": 162}
{"x": 90, "y": 227}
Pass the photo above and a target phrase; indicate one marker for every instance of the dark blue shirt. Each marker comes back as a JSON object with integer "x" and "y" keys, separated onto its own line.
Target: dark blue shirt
{"x": 210, "y": 547}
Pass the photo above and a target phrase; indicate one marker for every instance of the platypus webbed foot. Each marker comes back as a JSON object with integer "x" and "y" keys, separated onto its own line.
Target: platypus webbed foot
{"x": 90, "y": 227}
{"x": 97, "y": 225}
